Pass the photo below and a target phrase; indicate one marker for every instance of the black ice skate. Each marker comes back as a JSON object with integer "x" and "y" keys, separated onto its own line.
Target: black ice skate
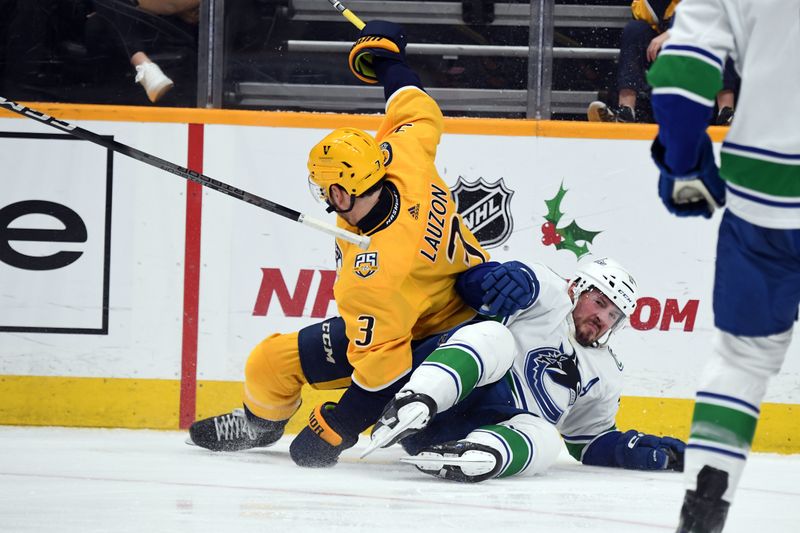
{"x": 704, "y": 510}
{"x": 235, "y": 431}
{"x": 464, "y": 461}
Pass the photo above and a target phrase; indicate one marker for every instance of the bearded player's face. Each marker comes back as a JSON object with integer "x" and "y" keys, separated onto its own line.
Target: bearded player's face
{"x": 594, "y": 315}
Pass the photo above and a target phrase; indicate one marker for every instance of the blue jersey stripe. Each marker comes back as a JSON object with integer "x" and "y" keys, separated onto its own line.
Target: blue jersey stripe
{"x": 762, "y": 151}
{"x": 472, "y": 351}
{"x": 520, "y": 393}
{"x": 449, "y": 372}
{"x": 759, "y": 200}
{"x": 720, "y": 451}
{"x": 731, "y": 399}
{"x": 696, "y": 50}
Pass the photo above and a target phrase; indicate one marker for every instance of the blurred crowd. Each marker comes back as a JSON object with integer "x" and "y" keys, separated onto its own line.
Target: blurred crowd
{"x": 145, "y": 52}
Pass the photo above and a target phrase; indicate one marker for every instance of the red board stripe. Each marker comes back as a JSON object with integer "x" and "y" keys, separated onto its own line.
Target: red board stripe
{"x": 191, "y": 280}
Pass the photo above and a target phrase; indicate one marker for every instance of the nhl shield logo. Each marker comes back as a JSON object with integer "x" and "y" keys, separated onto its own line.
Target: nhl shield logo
{"x": 486, "y": 209}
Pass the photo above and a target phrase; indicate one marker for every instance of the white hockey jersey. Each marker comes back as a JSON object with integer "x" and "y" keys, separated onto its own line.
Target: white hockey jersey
{"x": 576, "y": 388}
{"x": 761, "y": 153}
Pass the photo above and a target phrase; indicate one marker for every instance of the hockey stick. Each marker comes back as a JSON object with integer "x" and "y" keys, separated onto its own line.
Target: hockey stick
{"x": 346, "y": 13}
{"x": 361, "y": 241}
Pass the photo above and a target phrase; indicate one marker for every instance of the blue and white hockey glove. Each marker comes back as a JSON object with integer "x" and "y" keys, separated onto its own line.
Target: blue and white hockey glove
{"x": 508, "y": 288}
{"x": 641, "y": 451}
{"x": 636, "y": 451}
{"x": 378, "y": 38}
{"x": 322, "y": 440}
{"x": 696, "y": 193}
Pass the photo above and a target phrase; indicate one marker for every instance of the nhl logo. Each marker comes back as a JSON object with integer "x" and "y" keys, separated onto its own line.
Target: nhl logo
{"x": 486, "y": 209}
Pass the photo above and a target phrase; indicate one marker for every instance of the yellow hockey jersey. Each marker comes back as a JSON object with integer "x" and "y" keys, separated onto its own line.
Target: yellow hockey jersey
{"x": 642, "y": 10}
{"x": 403, "y": 287}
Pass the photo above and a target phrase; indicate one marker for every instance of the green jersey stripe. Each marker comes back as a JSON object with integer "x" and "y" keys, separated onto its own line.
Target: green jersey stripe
{"x": 462, "y": 363}
{"x": 759, "y": 175}
{"x": 687, "y": 73}
{"x": 521, "y": 453}
{"x": 723, "y": 425}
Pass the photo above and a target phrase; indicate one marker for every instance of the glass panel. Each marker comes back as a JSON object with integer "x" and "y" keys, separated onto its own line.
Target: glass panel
{"x": 294, "y": 56}
{"x": 80, "y": 51}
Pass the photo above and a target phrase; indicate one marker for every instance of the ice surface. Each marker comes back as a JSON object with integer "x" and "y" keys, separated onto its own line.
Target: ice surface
{"x": 95, "y": 480}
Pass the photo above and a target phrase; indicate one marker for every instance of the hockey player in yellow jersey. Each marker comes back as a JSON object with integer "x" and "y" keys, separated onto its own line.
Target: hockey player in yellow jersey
{"x": 394, "y": 297}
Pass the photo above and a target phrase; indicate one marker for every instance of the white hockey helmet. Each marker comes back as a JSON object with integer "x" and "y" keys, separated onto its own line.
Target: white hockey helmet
{"x": 610, "y": 278}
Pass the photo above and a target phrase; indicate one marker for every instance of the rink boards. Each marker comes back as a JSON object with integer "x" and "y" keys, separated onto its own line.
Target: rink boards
{"x": 131, "y": 298}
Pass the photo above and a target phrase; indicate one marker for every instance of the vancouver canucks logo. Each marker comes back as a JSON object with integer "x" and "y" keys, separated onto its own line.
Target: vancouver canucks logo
{"x": 554, "y": 379}
{"x": 566, "y": 237}
{"x": 486, "y": 209}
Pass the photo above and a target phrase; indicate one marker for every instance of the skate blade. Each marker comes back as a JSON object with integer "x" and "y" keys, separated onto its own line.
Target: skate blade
{"x": 383, "y": 438}
{"x": 436, "y": 461}
{"x": 472, "y": 463}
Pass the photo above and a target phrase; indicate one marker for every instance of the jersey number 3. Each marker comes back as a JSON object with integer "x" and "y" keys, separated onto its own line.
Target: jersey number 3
{"x": 366, "y": 329}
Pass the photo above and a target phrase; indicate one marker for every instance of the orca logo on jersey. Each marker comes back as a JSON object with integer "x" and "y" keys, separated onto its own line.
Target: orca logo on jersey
{"x": 554, "y": 379}
{"x": 486, "y": 209}
{"x": 366, "y": 264}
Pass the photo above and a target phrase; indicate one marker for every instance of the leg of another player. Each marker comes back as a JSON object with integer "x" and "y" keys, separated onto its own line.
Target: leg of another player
{"x": 726, "y": 412}
{"x": 475, "y": 355}
{"x": 756, "y": 294}
{"x": 523, "y": 445}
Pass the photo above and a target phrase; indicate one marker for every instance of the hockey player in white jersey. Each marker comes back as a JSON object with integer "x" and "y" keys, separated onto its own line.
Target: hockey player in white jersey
{"x": 492, "y": 399}
{"x": 757, "y": 278}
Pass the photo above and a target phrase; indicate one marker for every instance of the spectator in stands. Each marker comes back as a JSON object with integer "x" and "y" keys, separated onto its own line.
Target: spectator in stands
{"x": 640, "y": 43}
{"x": 140, "y": 35}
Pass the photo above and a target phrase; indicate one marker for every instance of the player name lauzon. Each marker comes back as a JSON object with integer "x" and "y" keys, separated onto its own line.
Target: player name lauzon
{"x": 434, "y": 230}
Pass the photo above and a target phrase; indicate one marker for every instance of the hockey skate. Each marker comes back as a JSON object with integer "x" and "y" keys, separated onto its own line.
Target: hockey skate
{"x": 235, "y": 431}
{"x": 704, "y": 510}
{"x": 408, "y": 413}
{"x": 464, "y": 461}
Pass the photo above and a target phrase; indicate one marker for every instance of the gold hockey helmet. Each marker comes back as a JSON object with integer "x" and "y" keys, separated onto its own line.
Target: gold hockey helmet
{"x": 348, "y": 157}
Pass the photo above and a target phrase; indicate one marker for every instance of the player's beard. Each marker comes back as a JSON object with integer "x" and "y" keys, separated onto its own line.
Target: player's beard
{"x": 587, "y": 331}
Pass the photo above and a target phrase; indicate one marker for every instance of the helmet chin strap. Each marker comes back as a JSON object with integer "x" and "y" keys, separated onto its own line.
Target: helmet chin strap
{"x": 598, "y": 343}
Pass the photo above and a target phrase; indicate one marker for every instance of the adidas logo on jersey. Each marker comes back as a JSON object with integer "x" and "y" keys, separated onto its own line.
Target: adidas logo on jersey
{"x": 414, "y": 211}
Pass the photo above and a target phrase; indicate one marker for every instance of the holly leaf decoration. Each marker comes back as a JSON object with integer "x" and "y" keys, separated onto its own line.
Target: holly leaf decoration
{"x": 573, "y": 233}
{"x": 554, "y": 212}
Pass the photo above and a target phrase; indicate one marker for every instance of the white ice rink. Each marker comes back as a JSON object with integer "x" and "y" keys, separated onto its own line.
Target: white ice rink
{"x": 93, "y": 480}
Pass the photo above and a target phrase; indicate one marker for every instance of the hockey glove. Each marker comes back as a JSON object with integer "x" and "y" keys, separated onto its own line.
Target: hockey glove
{"x": 508, "y": 288}
{"x": 640, "y": 451}
{"x": 379, "y": 38}
{"x": 321, "y": 441}
{"x": 698, "y": 192}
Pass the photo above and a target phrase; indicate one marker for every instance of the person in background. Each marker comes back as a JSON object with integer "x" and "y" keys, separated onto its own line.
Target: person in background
{"x": 641, "y": 41}
{"x": 757, "y": 267}
{"x": 141, "y": 36}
